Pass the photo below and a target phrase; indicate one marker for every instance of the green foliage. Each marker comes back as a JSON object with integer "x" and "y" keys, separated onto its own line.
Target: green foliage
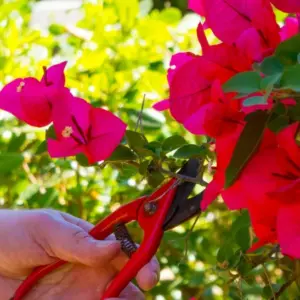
{"x": 288, "y": 51}
{"x": 120, "y": 54}
{"x": 245, "y": 83}
{"x": 247, "y": 144}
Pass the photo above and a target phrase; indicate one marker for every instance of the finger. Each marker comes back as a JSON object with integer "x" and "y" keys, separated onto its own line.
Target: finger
{"x": 148, "y": 276}
{"x": 132, "y": 292}
{"x": 71, "y": 243}
{"x": 85, "y": 225}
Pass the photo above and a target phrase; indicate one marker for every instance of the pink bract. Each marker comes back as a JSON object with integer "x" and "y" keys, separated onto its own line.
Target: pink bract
{"x": 81, "y": 128}
{"x": 289, "y": 6}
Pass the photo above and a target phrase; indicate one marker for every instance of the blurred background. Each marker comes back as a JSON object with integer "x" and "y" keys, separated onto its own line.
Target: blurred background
{"x": 117, "y": 52}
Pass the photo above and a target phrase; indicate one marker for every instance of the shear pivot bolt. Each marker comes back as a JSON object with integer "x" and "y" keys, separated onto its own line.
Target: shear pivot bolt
{"x": 150, "y": 208}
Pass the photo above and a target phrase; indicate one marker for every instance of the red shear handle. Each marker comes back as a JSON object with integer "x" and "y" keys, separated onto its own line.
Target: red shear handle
{"x": 102, "y": 230}
{"x": 152, "y": 224}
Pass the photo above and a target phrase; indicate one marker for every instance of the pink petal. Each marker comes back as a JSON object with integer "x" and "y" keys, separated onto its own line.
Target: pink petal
{"x": 35, "y": 104}
{"x": 189, "y": 89}
{"x": 55, "y": 75}
{"x": 290, "y": 28}
{"x": 249, "y": 43}
{"x": 25, "y": 99}
{"x": 196, "y": 6}
{"x": 202, "y": 38}
{"x": 234, "y": 197}
{"x": 10, "y": 99}
{"x": 195, "y": 123}
{"x": 64, "y": 147}
{"x": 289, "y": 6}
{"x": 228, "y": 19}
{"x": 106, "y": 134}
{"x": 68, "y": 109}
{"x": 162, "y": 105}
{"x": 176, "y": 62}
{"x": 286, "y": 140}
{"x": 289, "y": 229}
{"x": 212, "y": 191}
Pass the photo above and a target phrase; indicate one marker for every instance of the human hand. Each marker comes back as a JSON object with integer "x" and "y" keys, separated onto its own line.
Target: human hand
{"x": 40, "y": 237}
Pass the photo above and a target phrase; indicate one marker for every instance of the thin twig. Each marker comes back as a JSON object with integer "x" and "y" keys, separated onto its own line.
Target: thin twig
{"x": 284, "y": 287}
{"x": 184, "y": 177}
{"x": 140, "y": 117}
{"x": 269, "y": 281}
{"x": 186, "y": 239}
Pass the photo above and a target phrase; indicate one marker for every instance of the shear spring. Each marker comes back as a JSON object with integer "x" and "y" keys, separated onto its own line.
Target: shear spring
{"x": 127, "y": 244}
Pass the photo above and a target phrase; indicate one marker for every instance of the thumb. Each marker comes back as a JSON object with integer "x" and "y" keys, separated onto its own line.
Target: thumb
{"x": 71, "y": 243}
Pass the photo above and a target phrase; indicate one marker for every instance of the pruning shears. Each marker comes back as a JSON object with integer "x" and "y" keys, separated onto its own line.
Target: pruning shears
{"x": 166, "y": 208}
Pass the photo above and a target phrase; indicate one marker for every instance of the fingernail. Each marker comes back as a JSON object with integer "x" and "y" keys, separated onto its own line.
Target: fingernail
{"x": 155, "y": 278}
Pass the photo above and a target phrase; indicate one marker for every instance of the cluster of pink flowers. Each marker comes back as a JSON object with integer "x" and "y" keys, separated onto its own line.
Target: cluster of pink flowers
{"x": 79, "y": 127}
{"x": 269, "y": 186}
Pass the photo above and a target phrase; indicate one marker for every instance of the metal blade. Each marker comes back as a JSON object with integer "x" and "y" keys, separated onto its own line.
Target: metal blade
{"x": 188, "y": 211}
{"x": 185, "y": 189}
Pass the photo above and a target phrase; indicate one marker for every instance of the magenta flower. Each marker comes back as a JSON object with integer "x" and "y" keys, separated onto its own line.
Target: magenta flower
{"x": 81, "y": 128}
{"x": 229, "y": 19}
{"x": 31, "y": 100}
{"x": 289, "y": 6}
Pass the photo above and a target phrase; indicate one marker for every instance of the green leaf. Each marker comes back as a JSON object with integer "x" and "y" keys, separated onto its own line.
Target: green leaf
{"x": 10, "y": 162}
{"x": 246, "y": 82}
{"x": 144, "y": 167}
{"x": 278, "y": 123}
{"x": 271, "y": 66}
{"x": 254, "y": 101}
{"x": 50, "y": 132}
{"x": 294, "y": 112}
{"x": 242, "y": 238}
{"x": 16, "y": 143}
{"x": 225, "y": 253}
{"x": 41, "y": 148}
{"x": 173, "y": 142}
{"x": 135, "y": 139}
{"x": 56, "y": 29}
{"x": 287, "y": 52}
{"x": 122, "y": 153}
{"x": 291, "y": 78}
{"x": 82, "y": 160}
{"x": 246, "y": 146}
{"x": 269, "y": 81}
{"x": 155, "y": 178}
{"x": 188, "y": 151}
{"x": 241, "y": 221}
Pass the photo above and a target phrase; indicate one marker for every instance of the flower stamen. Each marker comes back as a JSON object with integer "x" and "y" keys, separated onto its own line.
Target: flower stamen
{"x": 67, "y": 132}
{"x": 20, "y": 87}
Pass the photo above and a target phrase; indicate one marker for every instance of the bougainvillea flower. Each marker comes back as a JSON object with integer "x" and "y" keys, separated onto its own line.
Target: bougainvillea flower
{"x": 162, "y": 105}
{"x": 219, "y": 117}
{"x": 287, "y": 176}
{"x": 289, "y": 229}
{"x": 54, "y": 80}
{"x": 263, "y": 209}
{"x": 196, "y": 6}
{"x": 289, "y": 29}
{"x": 81, "y": 128}
{"x": 191, "y": 85}
{"x": 31, "y": 100}
{"x": 289, "y": 6}
{"x": 178, "y": 60}
{"x": 230, "y": 19}
{"x": 224, "y": 149}
{"x": 26, "y": 100}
